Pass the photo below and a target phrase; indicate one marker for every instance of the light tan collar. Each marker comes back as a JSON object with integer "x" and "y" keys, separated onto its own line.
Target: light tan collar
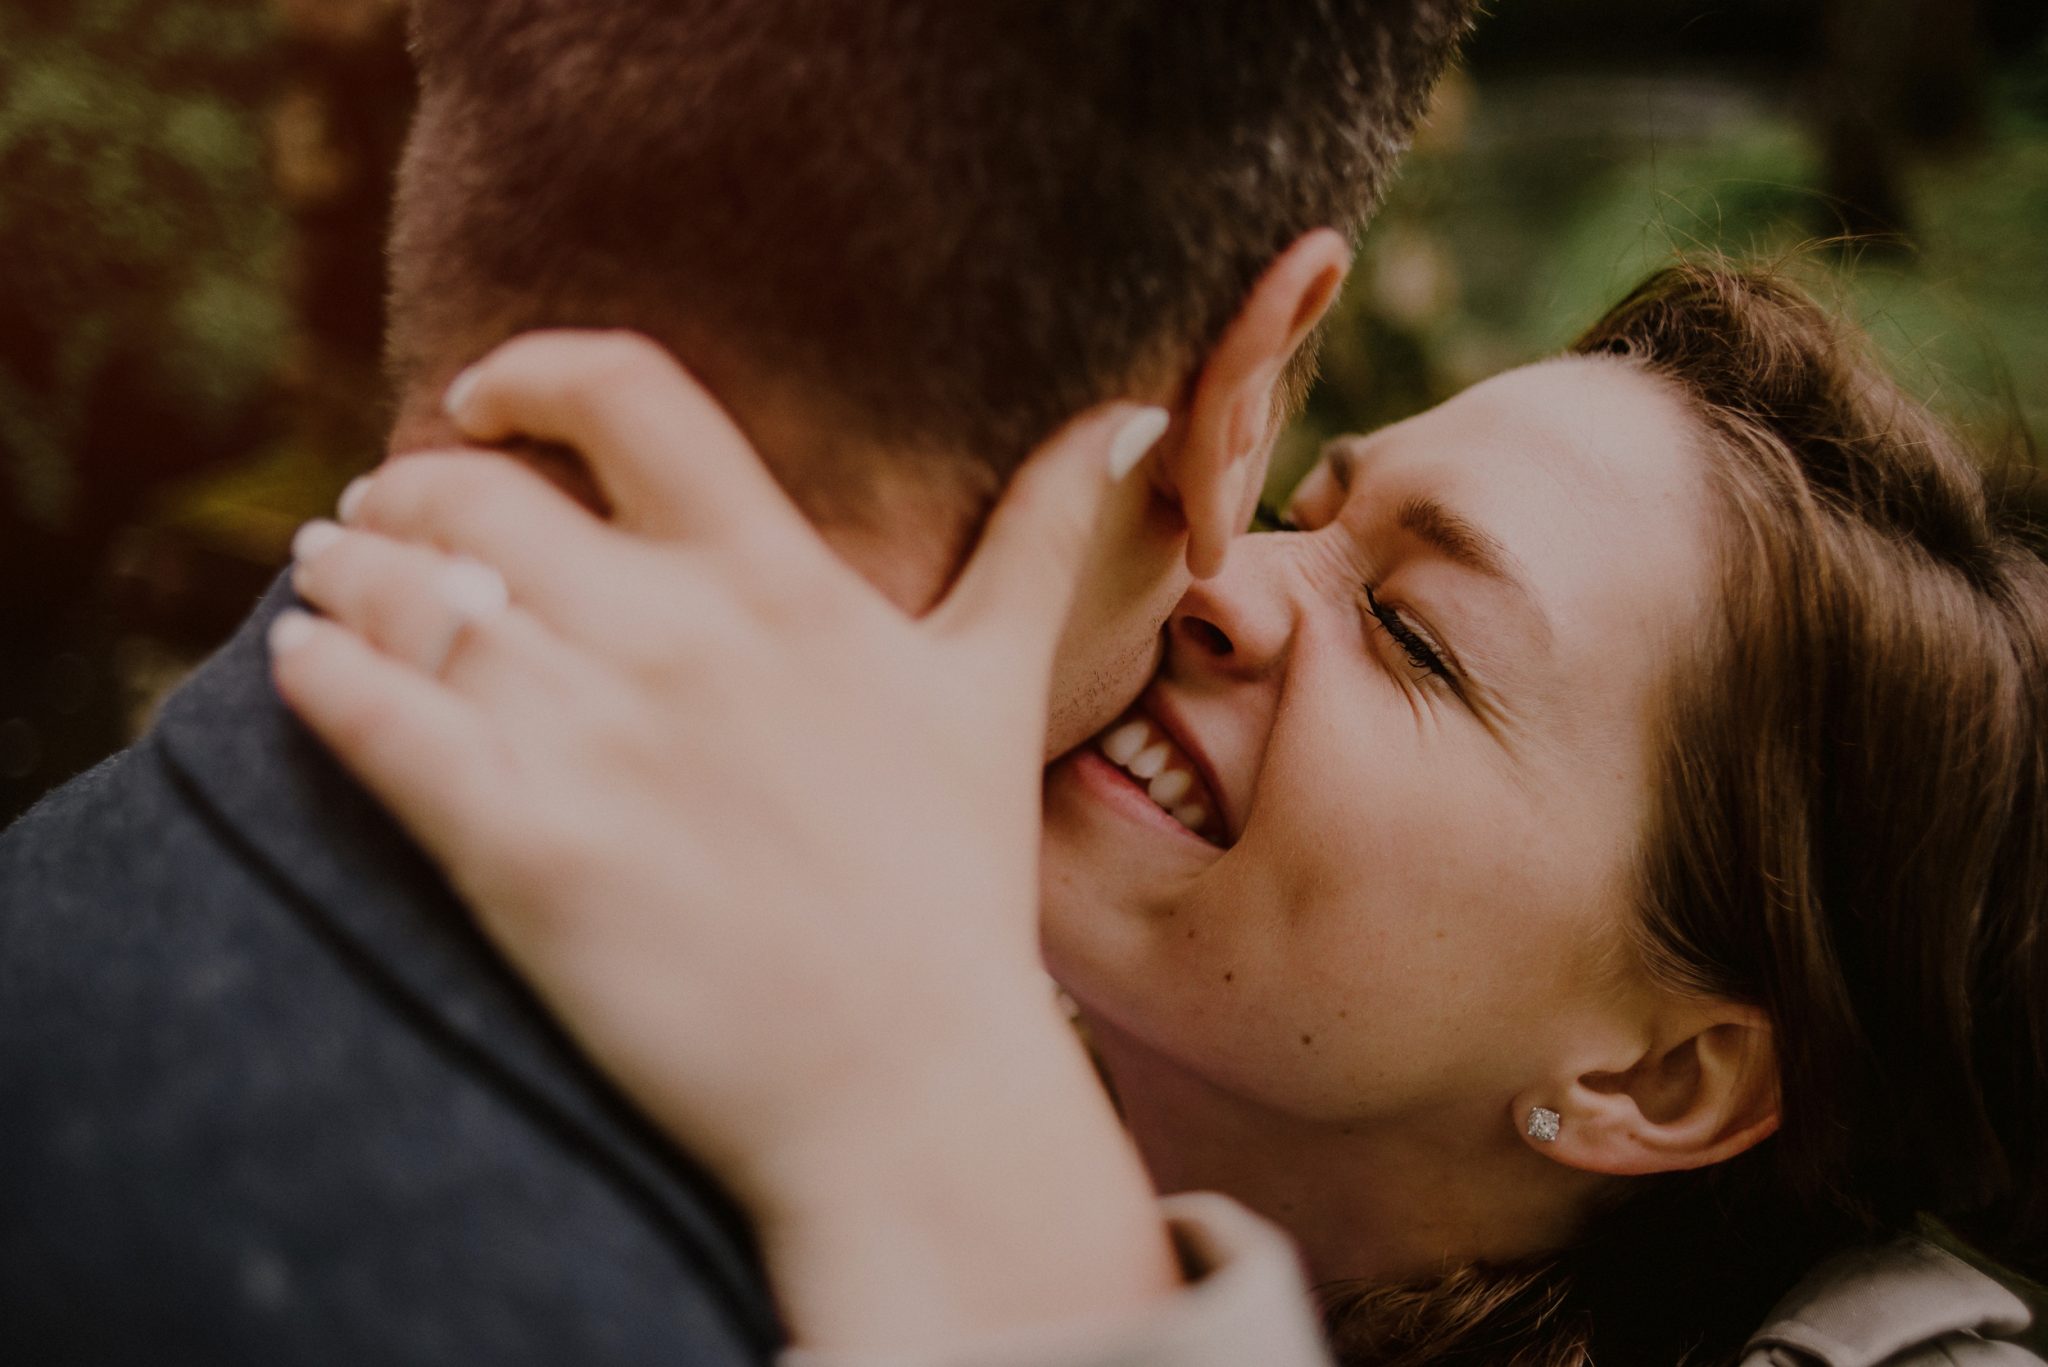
{"x": 1866, "y": 1306}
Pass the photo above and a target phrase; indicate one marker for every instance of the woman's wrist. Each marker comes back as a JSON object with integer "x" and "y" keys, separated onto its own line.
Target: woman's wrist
{"x": 987, "y": 1188}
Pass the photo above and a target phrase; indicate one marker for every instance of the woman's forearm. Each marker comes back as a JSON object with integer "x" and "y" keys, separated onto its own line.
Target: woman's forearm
{"x": 993, "y": 1191}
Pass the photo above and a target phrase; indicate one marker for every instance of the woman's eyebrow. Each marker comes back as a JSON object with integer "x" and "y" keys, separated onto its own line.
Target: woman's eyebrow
{"x": 1463, "y": 543}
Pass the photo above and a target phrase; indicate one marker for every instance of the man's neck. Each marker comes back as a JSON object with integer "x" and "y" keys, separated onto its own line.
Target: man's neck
{"x": 1377, "y": 1200}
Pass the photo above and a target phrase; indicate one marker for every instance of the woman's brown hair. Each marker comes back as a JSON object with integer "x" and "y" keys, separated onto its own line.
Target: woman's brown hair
{"x": 1851, "y": 831}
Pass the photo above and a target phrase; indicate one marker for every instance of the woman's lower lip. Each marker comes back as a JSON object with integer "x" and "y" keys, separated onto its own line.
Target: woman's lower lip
{"x": 1119, "y": 790}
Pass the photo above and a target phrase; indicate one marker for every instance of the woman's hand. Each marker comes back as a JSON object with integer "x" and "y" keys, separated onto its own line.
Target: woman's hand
{"x": 765, "y": 843}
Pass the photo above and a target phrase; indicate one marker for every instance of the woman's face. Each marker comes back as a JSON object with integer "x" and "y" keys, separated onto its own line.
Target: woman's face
{"x": 1418, "y": 739}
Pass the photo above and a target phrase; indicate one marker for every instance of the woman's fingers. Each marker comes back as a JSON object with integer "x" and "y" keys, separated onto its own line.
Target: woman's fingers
{"x": 416, "y": 745}
{"x": 1022, "y": 576}
{"x": 444, "y": 616}
{"x": 557, "y": 558}
{"x": 666, "y": 455}
{"x": 408, "y": 601}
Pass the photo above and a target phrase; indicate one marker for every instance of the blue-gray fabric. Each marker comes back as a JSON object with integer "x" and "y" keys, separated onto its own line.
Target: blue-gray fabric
{"x": 266, "y": 1096}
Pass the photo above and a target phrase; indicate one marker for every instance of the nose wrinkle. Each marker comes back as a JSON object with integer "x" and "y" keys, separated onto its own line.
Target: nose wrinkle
{"x": 1321, "y": 560}
{"x": 1303, "y": 568}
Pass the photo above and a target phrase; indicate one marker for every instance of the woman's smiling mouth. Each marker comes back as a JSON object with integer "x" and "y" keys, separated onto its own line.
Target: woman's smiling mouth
{"x": 1146, "y": 756}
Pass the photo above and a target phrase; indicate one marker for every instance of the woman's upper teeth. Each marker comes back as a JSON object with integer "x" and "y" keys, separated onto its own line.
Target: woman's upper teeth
{"x": 1122, "y": 744}
{"x": 1144, "y": 751}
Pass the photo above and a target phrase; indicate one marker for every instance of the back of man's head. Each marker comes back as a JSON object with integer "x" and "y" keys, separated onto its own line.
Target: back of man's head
{"x": 952, "y": 223}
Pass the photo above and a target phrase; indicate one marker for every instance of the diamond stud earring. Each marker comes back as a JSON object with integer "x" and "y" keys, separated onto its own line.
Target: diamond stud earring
{"x": 1543, "y": 1123}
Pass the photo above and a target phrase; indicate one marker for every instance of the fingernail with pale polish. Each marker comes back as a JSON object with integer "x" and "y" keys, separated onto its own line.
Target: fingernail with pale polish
{"x": 315, "y": 537}
{"x": 352, "y": 497}
{"x": 458, "y": 392}
{"x": 1139, "y": 434}
{"x": 291, "y": 630}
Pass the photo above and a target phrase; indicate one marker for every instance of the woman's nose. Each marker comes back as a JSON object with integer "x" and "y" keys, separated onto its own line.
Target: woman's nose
{"x": 1236, "y": 623}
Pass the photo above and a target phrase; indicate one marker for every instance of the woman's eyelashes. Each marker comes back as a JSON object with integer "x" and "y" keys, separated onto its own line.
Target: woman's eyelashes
{"x": 1419, "y": 651}
{"x": 1269, "y": 517}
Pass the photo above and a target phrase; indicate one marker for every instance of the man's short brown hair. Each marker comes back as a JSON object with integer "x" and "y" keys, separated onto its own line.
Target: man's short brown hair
{"x": 957, "y": 221}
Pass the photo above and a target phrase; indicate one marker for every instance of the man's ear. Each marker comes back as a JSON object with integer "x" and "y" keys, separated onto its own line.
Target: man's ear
{"x": 1216, "y": 467}
{"x": 1703, "y": 1089}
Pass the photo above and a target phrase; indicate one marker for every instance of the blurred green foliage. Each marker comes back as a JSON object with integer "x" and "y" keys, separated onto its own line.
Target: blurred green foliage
{"x": 142, "y": 252}
{"x": 141, "y": 284}
{"x": 1548, "y": 196}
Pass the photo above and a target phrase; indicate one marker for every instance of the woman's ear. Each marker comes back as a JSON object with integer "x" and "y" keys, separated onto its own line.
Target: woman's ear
{"x": 1704, "y": 1089}
{"x": 1217, "y": 466}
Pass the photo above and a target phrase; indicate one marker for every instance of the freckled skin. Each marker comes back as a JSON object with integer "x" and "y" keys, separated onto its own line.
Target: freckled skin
{"x": 1414, "y": 910}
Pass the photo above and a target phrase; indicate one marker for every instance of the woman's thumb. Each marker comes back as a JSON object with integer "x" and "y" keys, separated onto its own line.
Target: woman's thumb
{"x": 1025, "y": 569}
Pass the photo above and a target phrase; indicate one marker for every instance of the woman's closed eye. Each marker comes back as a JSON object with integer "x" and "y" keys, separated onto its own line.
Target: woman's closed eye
{"x": 1417, "y": 648}
{"x": 1419, "y": 651}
